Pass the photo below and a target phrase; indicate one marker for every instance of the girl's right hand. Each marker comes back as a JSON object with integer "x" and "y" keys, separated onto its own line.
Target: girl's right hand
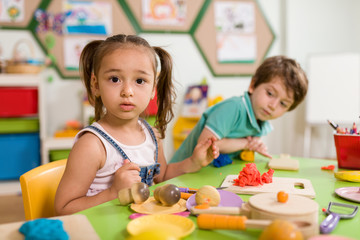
{"x": 125, "y": 176}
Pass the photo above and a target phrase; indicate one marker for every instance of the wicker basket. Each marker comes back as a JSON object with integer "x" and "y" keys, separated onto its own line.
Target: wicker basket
{"x": 21, "y": 65}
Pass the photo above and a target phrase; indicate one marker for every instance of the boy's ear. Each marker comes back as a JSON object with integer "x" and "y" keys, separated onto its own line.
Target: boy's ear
{"x": 251, "y": 86}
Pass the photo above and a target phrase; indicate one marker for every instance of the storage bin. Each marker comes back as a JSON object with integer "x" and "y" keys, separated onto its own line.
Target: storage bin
{"x": 19, "y": 153}
{"x": 347, "y": 150}
{"x": 19, "y": 125}
{"x": 18, "y": 101}
{"x": 182, "y": 129}
{"x": 55, "y": 155}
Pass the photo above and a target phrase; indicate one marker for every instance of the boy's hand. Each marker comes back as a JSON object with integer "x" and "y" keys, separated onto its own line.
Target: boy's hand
{"x": 255, "y": 144}
{"x": 125, "y": 176}
{"x": 204, "y": 152}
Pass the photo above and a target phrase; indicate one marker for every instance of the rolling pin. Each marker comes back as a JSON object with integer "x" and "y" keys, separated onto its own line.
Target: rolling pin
{"x": 214, "y": 221}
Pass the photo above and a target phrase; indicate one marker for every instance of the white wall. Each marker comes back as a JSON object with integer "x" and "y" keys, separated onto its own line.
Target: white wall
{"x": 302, "y": 27}
{"x": 319, "y": 26}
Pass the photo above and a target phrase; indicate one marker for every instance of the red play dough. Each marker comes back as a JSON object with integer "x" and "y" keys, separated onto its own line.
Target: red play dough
{"x": 250, "y": 176}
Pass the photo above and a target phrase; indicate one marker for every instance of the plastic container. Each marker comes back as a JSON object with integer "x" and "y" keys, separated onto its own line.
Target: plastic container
{"x": 182, "y": 129}
{"x": 19, "y": 153}
{"x": 347, "y": 150}
{"x": 18, "y": 101}
{"x": 19, "y": 125}
{"x": 59, "y": 154}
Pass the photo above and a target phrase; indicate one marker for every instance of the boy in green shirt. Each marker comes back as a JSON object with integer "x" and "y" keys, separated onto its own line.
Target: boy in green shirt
{"x": 278, "y": 86}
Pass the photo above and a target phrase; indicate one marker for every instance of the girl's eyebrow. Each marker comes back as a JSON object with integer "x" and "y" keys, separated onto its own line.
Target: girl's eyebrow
{"x": 119, "y": 70}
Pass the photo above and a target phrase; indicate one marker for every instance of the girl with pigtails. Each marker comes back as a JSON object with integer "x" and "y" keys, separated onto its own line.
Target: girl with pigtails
{"x": 120, "y": 148}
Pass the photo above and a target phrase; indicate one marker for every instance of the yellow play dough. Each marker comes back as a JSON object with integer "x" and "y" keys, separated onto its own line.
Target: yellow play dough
{"x": 207, "y": 194}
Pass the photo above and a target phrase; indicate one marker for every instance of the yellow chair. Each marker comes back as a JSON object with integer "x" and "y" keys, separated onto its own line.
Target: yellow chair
{"x": 38, "y": 187}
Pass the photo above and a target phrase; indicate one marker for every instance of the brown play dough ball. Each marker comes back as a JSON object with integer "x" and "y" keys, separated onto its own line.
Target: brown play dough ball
{"x": 207, "y": 194}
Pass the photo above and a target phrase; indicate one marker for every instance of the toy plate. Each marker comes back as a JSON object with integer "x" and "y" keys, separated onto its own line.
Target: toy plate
{"x": 151, "y": 206}
{"x": 177, "y": 226}
{"x": 227, "y": 199}
{"x": 349, "y": 193}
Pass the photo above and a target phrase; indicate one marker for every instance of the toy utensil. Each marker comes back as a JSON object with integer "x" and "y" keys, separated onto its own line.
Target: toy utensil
{"x": 214, "y": 221}
{"x": 194, "y": 190}
{"x": 217, "y": 210}
{"x": 137, "y": 215}
{"x": 333, "y": 218}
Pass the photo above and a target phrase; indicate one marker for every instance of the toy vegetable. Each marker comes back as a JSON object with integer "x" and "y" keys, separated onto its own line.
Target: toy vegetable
{"x": 167, "y": 195}
{"x": 138, "y": 193}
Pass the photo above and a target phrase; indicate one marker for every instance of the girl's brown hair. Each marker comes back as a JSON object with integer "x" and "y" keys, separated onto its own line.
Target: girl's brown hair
{"x": 90, "y": 61}
{"x": 289, "y": 71}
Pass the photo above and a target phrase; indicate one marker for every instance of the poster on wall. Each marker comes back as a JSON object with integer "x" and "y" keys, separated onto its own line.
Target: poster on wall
{"x": 88, "y": 17}
{"x": 11, "y": 10}
{"x": 72, "y": 51}
{"x": 164, "y": 12}
{"x": 235, "y": 32}
{"x": 195, "y": 102}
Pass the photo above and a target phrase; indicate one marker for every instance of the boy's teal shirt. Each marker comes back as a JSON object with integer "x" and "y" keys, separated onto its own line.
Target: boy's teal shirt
{"x": 231, "y": 118}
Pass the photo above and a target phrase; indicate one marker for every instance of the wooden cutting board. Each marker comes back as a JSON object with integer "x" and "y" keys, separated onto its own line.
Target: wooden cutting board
{"x": 297, "y": 186}
{"x": 284, "y": 162}
{"x": 77, "y": 226}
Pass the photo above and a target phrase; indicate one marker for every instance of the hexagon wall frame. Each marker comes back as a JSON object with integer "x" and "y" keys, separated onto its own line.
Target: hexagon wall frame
{"x": 121, "y": 24}
{"x": 204, "y": 35}
{"x": 134, "y": 8}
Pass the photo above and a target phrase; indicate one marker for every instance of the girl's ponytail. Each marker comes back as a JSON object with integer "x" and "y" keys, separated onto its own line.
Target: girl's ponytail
{"x": 165, "y": 91}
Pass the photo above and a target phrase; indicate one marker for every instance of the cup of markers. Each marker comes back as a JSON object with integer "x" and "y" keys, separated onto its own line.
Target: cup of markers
{"x": 347, "y": 143}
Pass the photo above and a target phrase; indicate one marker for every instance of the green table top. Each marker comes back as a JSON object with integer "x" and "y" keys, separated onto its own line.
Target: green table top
{"x": 110, "y": 219}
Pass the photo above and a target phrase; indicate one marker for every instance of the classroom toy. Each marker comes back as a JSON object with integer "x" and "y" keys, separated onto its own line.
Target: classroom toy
{"x": 44, "y": 228}
{"x": 351, "y": 176}
{"x": 222, "y": 160}
{"x": 282, "y": 197}
{"x": 207, "y": 194}
{"x": 298, "y": 186}
{"x": 349, "y": 193}
{"x": 250, "y": 176}
{"x": 138, "y": 193}
{"x": 167, "y": 195}
{"x": 227, "y": 199}
{"x": 286, "y": 231}
{"x": 247, "y": 155}
{"x": 172, "y": 225}
{"x": 77, "y": 226}
{"x": 151, "y": 206}
{"x": 284, "y": 162}
{"x": 280, "y": 229}
{"x": 266, "y": 206}
{"x": 331, "y": 221}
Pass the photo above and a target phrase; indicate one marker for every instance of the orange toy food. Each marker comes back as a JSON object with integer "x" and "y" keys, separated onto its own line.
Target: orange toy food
{"x": 281, "y": 230}
{"x": 282, "y": 197}
{"x": 250, "y": 176}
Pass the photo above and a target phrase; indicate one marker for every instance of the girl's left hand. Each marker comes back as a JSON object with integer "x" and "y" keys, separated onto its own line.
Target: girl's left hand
{"x": 205, "y": 152}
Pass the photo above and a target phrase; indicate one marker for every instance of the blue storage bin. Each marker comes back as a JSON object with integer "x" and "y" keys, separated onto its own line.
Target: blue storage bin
{"x": 18, "y": 154}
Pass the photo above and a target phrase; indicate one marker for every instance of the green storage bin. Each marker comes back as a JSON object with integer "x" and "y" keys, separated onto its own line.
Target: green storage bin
{"x": 19, "y": 125}
{"x": 59, "y": 154}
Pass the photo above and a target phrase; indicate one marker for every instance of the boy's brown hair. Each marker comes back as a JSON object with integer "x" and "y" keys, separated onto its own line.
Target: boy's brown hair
{"x": 289, "y": 71}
